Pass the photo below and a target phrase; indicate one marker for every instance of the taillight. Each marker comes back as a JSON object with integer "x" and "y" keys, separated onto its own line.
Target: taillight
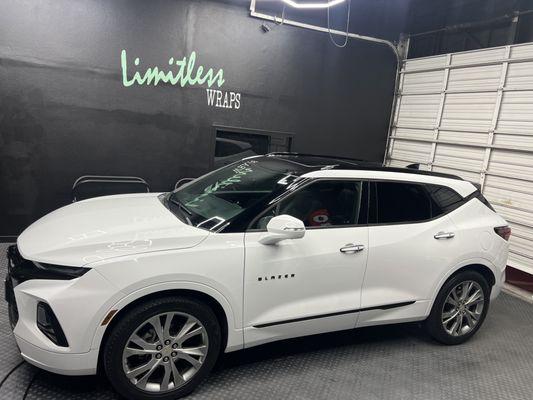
{"x": 503, "y": 231}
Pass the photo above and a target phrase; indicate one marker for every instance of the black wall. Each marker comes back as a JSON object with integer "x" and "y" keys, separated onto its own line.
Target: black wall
{"x": 64, "y": 111}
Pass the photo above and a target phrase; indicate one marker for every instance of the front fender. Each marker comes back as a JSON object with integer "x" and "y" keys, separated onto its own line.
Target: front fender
{"x": 235, "y": 336}
{"x": 215, "y": 268}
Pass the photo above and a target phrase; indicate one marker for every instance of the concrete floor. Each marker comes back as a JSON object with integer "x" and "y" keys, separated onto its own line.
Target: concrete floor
{"x": 394, "y": 362}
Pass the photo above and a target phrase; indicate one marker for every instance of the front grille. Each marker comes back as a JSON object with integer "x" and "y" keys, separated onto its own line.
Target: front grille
{"x": 12, "y": 309}
{"x": 13, "y": 256}
{"x": 14, "y": 259}
{"x": 20, "y": 270}
{"x": 17, "y": 266}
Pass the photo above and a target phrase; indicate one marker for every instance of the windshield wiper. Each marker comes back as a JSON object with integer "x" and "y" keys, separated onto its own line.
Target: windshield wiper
{"x": 180, "y": 205}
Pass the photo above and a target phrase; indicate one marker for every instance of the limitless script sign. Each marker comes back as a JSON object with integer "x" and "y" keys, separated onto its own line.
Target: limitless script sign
{"x": 182, "y": 72}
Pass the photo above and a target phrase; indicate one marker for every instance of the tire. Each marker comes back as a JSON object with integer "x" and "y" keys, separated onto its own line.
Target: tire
{"x": 195, "y": 339}
{"x": 441, "y": 320}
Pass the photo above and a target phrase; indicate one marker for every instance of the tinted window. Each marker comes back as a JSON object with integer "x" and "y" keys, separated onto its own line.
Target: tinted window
{"x": 401, "y": 202}
{"x": 397, "y": 202}
{"x": 321, "y": 204}
{"x": 444, "y": 199}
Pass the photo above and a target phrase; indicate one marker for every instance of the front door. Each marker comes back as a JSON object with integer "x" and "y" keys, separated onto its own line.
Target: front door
{"x": 313, "y": 284}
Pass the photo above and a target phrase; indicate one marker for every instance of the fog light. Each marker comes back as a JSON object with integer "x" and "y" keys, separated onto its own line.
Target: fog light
{"x": 49, "y": 325}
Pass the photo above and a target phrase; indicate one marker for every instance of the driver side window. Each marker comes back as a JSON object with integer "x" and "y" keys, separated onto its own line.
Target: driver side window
{"x": 321, "y": 204}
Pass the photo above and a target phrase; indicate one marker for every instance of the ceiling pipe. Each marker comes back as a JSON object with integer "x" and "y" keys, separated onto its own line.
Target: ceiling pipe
{"x": 285, "y": 21}
{"x": 329, "y": 3}
{"x": 389, "y": 44}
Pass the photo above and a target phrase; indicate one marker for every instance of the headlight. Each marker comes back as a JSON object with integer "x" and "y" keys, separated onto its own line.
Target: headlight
{"x": 28, "y": 270}
{"x": 22, "y": 270}
{"x": 59, "y": 272}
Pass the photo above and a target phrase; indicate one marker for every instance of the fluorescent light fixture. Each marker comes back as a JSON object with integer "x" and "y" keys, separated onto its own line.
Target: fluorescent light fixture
{"x": 322, "y": 4}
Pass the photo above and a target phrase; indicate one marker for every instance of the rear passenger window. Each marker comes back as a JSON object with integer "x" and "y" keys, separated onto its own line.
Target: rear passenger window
{"x": 445, "y": 199}
{"x": 398, "y": 202}
{"x": 402, "y": 202}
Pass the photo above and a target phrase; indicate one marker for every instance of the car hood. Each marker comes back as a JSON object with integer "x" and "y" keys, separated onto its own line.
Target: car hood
{"x": 104, "y": 227}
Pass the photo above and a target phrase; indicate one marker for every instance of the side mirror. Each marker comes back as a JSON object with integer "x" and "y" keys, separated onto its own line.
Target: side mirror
{"x": 283, "y": 227}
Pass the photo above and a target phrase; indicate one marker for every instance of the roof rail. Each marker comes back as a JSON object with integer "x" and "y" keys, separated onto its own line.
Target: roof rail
{"x": 291, "y": 153}
{"x": 372, "y": 165}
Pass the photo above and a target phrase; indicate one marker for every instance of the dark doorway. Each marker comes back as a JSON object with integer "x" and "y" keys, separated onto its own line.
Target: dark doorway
{"x": 232, "y": 144}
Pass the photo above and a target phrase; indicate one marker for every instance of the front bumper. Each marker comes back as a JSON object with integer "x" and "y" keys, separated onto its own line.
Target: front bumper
{"x": 59, "y": 363}
{"x": 79, "y": 304}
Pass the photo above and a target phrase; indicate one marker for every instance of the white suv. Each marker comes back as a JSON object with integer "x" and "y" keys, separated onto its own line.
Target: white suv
{"x": 153, "y": 287}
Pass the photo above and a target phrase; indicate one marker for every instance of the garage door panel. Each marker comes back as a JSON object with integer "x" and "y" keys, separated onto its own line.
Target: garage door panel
{"x": 396, "y": 163}
{"x": 466, "y": 175}
{"x": 431, "y": 81}
{"x": 475, "y": 138}
{"x": 508, "y": 198}
{"x": 520, "y": 245}
{"x": 510, "y": 162}
{"x": 478, "y": 56}
{"x": 519, "y": 51}
{"x": 519, "y": 75}
{"x": 425, "y": 63}
{"x": 416, "y": 152}
{"x": 521, "y": 142}
{"x": 475, "y": 78}
{"x": 418, "y": 111}
{"x": 510, "y": 184}
{"x": 468, "y": 111}
{"x": 454, "y": 156}
{"x": 516, "y": 113}
{"x": 414, "y": 134}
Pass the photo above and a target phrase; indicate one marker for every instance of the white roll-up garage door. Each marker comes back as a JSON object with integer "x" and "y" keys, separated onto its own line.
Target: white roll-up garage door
{"x": 471, "y": 114}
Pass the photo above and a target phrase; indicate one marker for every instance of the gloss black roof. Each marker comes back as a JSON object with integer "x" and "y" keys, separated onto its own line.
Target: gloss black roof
{"x": 317, "y": 162}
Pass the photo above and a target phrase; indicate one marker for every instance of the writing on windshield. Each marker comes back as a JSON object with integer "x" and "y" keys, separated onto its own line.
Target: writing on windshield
{"x": 239, "y": 172}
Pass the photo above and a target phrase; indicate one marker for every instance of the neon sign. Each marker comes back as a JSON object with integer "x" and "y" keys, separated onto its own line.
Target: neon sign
{"x": 182, "y": 72}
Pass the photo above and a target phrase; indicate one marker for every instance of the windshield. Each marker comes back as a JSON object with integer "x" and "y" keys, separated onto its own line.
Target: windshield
{"x": 212, "y": 200}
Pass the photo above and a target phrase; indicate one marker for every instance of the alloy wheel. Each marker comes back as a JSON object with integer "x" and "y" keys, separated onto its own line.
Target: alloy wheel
{"x": 463, "y": 308}
{"x": 165, "y": 352}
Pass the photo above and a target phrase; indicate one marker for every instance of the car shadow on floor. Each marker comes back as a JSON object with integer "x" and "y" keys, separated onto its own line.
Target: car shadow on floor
{"x": 324, "y": 341}
{"x": 98, "y": 387}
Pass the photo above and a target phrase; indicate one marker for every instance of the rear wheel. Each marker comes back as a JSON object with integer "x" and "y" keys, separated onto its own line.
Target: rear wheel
{"x": 162, "y": 349}
{"x": 460, "y": 308}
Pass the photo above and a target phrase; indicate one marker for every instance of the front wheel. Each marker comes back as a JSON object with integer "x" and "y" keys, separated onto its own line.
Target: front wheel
{"x": 459, "y": 309}
{"x": 162, "y": 349}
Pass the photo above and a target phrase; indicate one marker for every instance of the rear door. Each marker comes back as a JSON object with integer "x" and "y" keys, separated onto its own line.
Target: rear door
{"x": 412, "y": 242}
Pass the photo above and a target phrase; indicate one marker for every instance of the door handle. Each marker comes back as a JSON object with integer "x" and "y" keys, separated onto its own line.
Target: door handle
{"x": 352, "y": 248}
{"x": 444, "y": 235}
